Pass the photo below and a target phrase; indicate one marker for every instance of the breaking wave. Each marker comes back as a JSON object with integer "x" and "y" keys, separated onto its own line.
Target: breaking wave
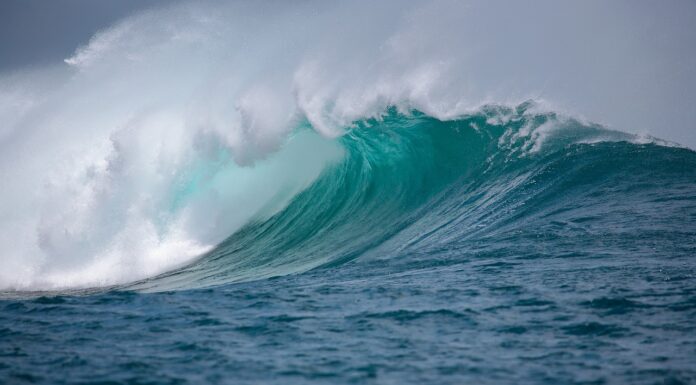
{"x": 192, "y": 145}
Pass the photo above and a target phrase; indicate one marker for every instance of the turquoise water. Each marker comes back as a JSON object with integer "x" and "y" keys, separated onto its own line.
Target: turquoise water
{"x": 510, "y": 245}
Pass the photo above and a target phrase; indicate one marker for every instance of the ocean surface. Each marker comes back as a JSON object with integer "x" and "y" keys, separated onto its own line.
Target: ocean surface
{"x": 508, "y": 245}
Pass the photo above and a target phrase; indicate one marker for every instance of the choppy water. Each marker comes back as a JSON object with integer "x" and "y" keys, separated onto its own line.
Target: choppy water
{"x": 506, "y": 246}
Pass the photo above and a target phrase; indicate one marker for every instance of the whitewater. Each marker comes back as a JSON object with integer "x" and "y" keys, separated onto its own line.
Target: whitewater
{"x": 399, "y": 192}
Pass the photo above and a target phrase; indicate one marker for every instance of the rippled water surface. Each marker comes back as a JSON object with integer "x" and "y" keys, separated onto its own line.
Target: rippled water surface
{"x": 483, "y": 319}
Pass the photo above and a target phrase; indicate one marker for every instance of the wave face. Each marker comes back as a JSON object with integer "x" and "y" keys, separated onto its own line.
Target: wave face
{"x": 510, "y": 181}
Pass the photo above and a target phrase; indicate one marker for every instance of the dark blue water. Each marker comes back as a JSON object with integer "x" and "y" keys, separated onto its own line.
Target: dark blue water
{"x": 504, "y": 247}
